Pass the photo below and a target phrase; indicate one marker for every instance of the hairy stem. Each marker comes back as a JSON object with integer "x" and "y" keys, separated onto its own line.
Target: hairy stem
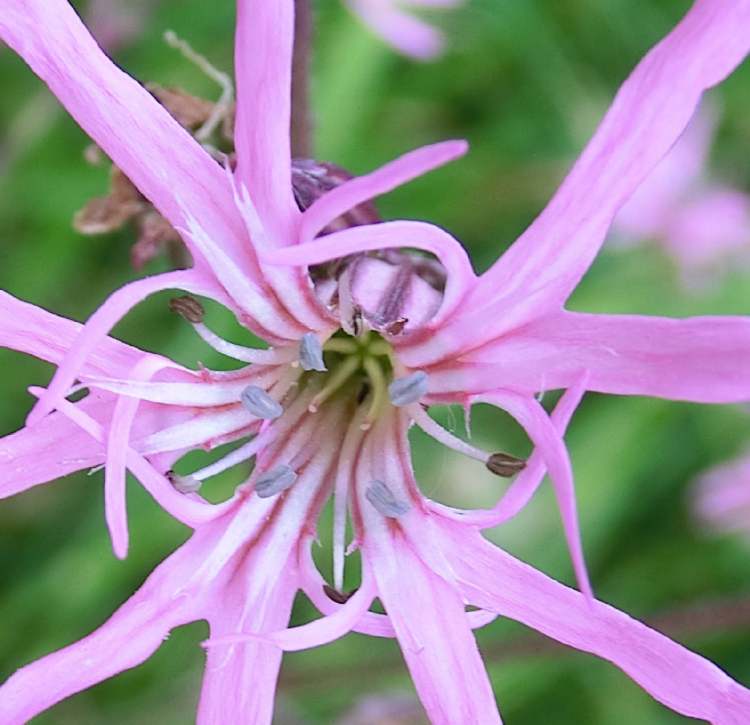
{"x": 301, "y": 123}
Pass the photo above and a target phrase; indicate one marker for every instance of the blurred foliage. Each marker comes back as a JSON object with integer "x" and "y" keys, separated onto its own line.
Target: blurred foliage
{"x": 525, "y": 82}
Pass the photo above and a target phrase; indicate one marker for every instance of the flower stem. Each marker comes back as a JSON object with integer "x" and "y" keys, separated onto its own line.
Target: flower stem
{"x": 301, "y": 130}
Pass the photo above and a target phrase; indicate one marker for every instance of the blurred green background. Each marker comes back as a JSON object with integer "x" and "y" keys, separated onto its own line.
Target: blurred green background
{"x": 525, "y": 81}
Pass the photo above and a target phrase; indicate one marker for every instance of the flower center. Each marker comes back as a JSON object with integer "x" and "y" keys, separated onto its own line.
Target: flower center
{"x": 359, "y": 367}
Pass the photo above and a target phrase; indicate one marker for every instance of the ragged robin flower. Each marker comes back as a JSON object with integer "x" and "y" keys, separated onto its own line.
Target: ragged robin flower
{"x": 396, "y": 23}
{"x": 701, "y": 223}
{"x": 365, "y": 334}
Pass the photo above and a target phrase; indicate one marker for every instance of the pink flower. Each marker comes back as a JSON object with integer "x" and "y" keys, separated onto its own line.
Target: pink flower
{"x": 115, "y": 24}
{"x": 330, "y": 404}
{"x": 721, "y": 496}
{"x": 701, "y": 223}
{"x": 392, "y": 21}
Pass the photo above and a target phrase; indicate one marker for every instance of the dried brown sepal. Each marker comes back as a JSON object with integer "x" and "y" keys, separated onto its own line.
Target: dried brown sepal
{"x": 227, "y": 124}
{"x": 505, "y": 465}
{"x": 312, "y": 179}
{"x": 188, "y": 110}
{"x": 188, "y": 307}
{"x": 155, "y": 235}
{"x": 105, "y": 214}
{"x": 336, "y": 596}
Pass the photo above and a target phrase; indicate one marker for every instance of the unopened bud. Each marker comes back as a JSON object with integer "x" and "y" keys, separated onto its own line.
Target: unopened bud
{"x": 188, "y": 307}
{"x": 505, "y": 465}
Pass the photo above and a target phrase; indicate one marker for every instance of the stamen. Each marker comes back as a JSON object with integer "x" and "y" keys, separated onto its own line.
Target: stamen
{"x": 311, "y": 353}
{"x": 275, "y": 481}
{"x": 409, "y": 389}
{"x": 378, "y": 385}
{"x": 192, "y": 310}
{"x": 188, "y": 307}
{"x": 260, "y": 404}
{"x": 381, "y": 497}
{"x": 505, "y": 465}
{"x": 240, "y": 352}
{"x": 436, "y": 431}
{"x": 246, "y": 451}
{"x": 342, "y": 484}
{"x": 337, "y": 378}
{"x": 337, "y": 596}
{"x": 184, "y": 484}
{"x": 380, "y": 347}
{"x": 345, "y": 347}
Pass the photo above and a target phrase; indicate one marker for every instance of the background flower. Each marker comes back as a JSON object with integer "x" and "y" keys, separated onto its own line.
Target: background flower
{"x": 702, "y": 223}
{"x": 628, "y": 493}
{"x": 398, "y": 24}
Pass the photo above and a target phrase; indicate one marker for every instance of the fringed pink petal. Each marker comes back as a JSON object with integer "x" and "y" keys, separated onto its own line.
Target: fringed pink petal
{"x": 519, "y": 493}
{"x": 263, "y": 64}
{"x": 551, "y": 447}
{"x": 675, "y": 676}
{"x": 124, "y": 119}
{"x": 389, "y": 235}
{"x": 351, "y": 193}
{"x": 266, "y": 317}
{"x": 260, "y": 584}
{"x": 239, "y": 683}
{"x": 34, "y": 331}
{"x": 654, "y": 105}
{"x": 101, "y": 322}
{"x": 433, "y": 632}
{"x": 699, "y": 359}
{"x": 464, "y": 331}
{"x": 311, "y": 583}
{"x": 200, "y": 430}
{"x": 651, "y": 110}
{"x": 191, "y": 509}
{"x": 50, "y": 449}
{"x": 316, "y": 633}
{"x": 118, "y": 442}
{"x": 293, "y": 287}
{"x": 127, "y": 639}
{"x": 404, "y": 32}
{"x": 201, "y": 395}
